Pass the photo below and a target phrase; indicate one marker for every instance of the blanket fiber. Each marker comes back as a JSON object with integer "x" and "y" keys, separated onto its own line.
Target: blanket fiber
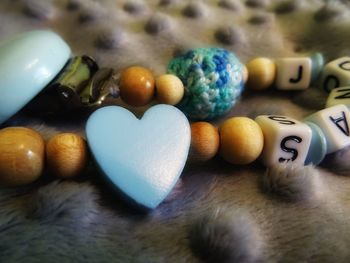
{"x": 217, "y": 212}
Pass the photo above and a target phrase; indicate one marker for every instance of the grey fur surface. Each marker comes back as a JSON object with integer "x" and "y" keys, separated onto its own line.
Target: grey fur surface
{"x": 291, "y": 182}
{"x": 225, "y": 236}
{"x": 303, "y": 217}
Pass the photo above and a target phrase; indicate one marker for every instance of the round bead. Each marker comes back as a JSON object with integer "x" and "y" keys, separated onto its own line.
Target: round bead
{"x": 66, "y": 154}
{"x": 245, "y": 74}
{"x": 169, "y": 89}
{"x": 262, "y": 73}
{"x": 318, "y": 148}
{"x": 136, "y": 86}
{"x": 241, "y": 140}
{"x": 204, "y": 142}
{"x": 317, "y": 66}
{"x": 21, "y": 156}
{"x": 213, "y": 80}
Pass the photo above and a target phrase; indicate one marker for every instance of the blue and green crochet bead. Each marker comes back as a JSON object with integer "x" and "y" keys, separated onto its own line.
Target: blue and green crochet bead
{"x": 213, "y": 80}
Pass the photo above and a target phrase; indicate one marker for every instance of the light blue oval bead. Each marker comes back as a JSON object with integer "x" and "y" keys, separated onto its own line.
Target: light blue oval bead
{"x": 317, "y": 66}
{"x": 142, "y": 158}
{"x": 28, "y": 62}
{"x": 318, "y": 146}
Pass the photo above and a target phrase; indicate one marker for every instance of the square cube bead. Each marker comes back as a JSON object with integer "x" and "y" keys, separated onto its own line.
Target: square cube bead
{"x": 285, "y": 139}
{"x": 334, "y": 122}
{"x": 293, "y": 73}
{"x": 336, "y": 74}
{"x": 339, "y": 96}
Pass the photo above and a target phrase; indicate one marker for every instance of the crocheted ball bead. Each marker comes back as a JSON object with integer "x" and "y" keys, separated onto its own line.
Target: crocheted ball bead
{"x": 213, "y": 80}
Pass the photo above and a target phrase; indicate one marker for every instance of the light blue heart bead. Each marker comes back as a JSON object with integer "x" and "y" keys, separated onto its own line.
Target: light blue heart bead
{"x": 28, "y": 62}
{"x": 142, "y": 158}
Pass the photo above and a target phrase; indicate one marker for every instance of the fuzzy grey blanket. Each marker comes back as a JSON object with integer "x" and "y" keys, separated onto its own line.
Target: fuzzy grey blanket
{"x": 217, "y": 212}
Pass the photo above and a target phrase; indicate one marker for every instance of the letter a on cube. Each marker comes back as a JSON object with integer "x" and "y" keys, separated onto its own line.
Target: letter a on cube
{"x": 334, "y": 122}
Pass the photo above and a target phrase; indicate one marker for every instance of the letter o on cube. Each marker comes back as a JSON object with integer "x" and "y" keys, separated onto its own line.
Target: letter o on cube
{"x": 336, "y": 74}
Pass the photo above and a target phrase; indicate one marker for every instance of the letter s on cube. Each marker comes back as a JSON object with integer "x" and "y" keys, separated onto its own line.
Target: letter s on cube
{"x": 285, "y": 139}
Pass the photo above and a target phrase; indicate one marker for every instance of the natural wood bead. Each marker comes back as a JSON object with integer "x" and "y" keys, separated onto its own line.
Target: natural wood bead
{"x": 169, "y": 89}
{"x": 241, "y": 140}
{"x": 21, "y": 156}
{"x": 204, "y": 142}
{"x": 136, "y": 86}
{"x": 261, "y": 73}
{"x": 66, "y": 154}
{"x": 245, "y": 74}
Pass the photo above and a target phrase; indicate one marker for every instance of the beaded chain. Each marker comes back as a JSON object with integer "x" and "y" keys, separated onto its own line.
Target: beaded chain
{"x": 204, "y": 83}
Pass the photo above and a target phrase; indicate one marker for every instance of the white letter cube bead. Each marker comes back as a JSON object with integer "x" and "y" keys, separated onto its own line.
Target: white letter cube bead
{"x": 293, "y": 73}
{"x": 336, "y": 74}
{"x": 334, "y": 122}
{"x": 339, "y": 96}
{"x": 285, "y": 139}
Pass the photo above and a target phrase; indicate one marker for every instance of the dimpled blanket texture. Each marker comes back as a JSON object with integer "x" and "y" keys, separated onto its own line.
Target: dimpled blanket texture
{"x": 217, "y": 212}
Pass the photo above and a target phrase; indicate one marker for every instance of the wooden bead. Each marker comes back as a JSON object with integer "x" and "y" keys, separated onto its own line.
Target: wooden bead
{"x": 169, "y": 89}
{"x": 241, "y": 140}
{"x": 136, "y": 86}
{"x": 261, "y": 73}
{"x": 245, "y": 74}
{"x": 204, "y": 142}
{"x": 21, "y": 156}
{"x": 66, "y": 154}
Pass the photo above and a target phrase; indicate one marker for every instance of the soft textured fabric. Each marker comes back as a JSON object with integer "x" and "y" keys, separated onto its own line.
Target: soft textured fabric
{"x": 217, "y": 212}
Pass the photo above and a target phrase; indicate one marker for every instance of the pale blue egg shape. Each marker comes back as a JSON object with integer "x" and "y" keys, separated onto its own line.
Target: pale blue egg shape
{"x": 28, "y": 62}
